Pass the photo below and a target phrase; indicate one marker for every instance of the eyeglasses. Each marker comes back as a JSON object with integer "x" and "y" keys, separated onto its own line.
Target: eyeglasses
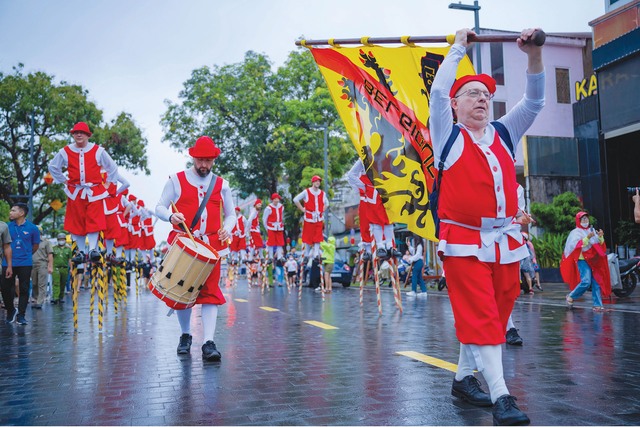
{"x": 475, "y": 94}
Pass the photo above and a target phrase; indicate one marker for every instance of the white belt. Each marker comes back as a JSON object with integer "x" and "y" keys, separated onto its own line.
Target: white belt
{"x": 492, "y": 230}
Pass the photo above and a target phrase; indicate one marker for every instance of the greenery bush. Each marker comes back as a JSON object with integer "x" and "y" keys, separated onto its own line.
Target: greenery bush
{"x": 628, "y": 234}
{"x": 549, "y": 249}
{"x": 559, "y": 216}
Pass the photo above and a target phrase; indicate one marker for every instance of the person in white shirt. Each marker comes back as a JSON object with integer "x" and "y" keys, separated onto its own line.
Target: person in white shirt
{"x": 417, "y": 264}
{"x": 291, "y": 266}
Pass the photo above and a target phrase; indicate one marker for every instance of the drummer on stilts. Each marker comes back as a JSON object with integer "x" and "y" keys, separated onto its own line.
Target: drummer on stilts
{"x": 189, "y": 190}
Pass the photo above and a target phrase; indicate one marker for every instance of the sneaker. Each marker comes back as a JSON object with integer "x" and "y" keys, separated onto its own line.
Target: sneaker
{"x": 210, "y": 352}
{"x": 184, "y": 347}
{"x": 366, "y": 256}
{"x": 54, "y": 301}
{"x": 599, "y": 308}
{"x": 538, "y": 287}
{"x": 20, "y": 320}
{"x": 12, "y": 318}
{"x": 569, "y": 301}
{"x": 397, "y": 253}
{"x": 410, "y": 294}
{"x": 469, "y": 389}
{"x": 513, "y": 338}
{"x": 422, "y": 295}
{"x": 36, "y": 306}
{"x": 61, "y": 301}
{"x": 507, "y": 413}
{"x": 318, "y": 289}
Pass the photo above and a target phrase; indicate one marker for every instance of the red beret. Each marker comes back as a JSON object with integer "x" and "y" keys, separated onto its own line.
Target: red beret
{"x": 258, "y": 201}
{"x": 315, "y": 178}
{"x": 275, "y": 196}
{"x": 204, "y": 148}
{"x": 485, "y": 79}
{"x": 81, "y": 127}
{"x": 237, "y": 208}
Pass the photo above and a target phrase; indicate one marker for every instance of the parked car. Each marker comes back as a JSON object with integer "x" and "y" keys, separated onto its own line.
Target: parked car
{"x": 341, "y": 272}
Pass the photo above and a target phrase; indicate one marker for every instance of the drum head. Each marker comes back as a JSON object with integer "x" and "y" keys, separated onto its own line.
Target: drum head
{"x": 200, "y": 248}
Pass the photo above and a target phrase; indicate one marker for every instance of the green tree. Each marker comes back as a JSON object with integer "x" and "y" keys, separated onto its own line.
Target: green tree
{"x": 55, "y": 107}
{"x": 267, "y": 124}
{"x": 559, "y": 217}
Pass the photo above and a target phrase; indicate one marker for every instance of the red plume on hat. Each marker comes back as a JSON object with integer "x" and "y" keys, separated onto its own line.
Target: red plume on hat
{"x": 81, "y": 127}
{"x": 485, "y": 79}
{"x": 204, "y": 148}
{"x": 275, "y": 196}
{"x": 315, "y": 178}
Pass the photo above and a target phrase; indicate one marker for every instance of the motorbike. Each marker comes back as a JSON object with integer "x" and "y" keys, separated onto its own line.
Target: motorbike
{"x": 624, "y": 283}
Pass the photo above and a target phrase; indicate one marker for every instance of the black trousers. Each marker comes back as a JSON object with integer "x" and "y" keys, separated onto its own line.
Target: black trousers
{"x": 9, "y": 289}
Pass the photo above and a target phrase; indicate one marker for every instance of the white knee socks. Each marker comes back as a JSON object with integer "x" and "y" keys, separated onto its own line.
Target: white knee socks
{"x": 209, "y": 320}
{"x": 184, "y": 317}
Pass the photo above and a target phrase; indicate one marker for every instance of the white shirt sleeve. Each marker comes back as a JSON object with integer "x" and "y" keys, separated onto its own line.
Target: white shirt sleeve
{"x": 301, "y": 196}
{"x": 124, "y": 182}
{"x": 353, "y": 176}
{"x": 265, "y": 215}
{"x": 521, "y": 116}
{"x": 229, "y": 207}
{"x": 55, "y": 167}
{"x": 440, "y": 114}
{"x": 169, "y": 194}
{"x": 110, "y": 167}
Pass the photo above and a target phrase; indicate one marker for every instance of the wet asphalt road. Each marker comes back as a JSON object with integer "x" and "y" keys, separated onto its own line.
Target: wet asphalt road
{"x": 354, "y": 367}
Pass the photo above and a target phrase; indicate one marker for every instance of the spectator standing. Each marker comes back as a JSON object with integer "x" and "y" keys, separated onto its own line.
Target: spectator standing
{"x": 5, "y": 254}
{"x": 61, "y": 264}
{"x": 25, "y": 241}
{"x": 417, "y": 262}
{"x": 42, "y": 268}
{"x": 292, "y": 270}
{"x": 636, "y": 209}
{"x": 328, "y": 249}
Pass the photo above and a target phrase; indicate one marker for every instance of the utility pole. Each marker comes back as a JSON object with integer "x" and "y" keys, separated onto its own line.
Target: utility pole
{"x": 32, "y": 168}
{"x": 475, "y": 8}
{"x": 327, "y": 220}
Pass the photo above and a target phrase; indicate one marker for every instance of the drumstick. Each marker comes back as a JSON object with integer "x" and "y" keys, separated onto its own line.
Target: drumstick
{"x": 184, "y": 225}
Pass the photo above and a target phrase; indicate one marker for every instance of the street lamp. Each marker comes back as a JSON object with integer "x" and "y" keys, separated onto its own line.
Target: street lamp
{"x": 325, "y": 128}
{"x": 475, "y": 9}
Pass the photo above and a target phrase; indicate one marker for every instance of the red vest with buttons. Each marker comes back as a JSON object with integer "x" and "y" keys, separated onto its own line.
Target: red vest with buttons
{"x": 470, "y": 185}
{"x": 274, "y": 219}
{"x": 314, "y": 207}
{"x": 375, "y": 210}
{"x": 239, "y": 229}
{"x": 189, "y": 202}
{"x": 255, "y": 224}
{"x": 83, "y": 168}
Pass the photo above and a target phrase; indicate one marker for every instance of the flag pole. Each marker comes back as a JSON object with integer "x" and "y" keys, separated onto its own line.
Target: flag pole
{"x": 538, "y": 39}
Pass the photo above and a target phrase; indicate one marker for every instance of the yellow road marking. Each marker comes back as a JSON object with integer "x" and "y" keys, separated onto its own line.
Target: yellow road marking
{"x": 242, "y": 300}
{"x": 320, "y": 324}
{"x": 429, "y": 360}
{"x": 265, "y": 308}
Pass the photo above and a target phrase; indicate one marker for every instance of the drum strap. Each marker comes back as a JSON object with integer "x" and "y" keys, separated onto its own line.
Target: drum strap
{"x": 207, "y": 196}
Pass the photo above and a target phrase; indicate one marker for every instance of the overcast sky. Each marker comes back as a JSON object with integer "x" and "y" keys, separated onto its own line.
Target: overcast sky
{"x": 133, "y": 55}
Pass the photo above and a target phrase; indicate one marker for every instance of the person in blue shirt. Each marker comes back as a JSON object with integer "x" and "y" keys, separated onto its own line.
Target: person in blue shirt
{"x": 25, "y": 238}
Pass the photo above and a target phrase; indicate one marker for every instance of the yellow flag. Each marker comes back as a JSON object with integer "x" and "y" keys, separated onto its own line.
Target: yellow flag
{"x": 382, "y": 96}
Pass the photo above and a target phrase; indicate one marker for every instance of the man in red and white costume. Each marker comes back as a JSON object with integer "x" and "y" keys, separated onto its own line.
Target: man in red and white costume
{"x": 273, "y": 220}
{"x": 187, "y": 190}
{"x": 84, "y": 187}
{"x": 239, "y": 237}
{"x": 372, "y": 210}
{"x": 480, "y": 241}
{"x": 112, "y": 205}
{"x": 254, "y": 228}
{"x": 315, "y": 205}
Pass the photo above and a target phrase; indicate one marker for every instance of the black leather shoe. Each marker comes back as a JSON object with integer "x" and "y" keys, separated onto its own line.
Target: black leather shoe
{"x": 78, "y": 258}
{"x": 513, "y": 338}
{"x": 382, "y": 253}
{"x": 507, "y": 413}
{"x": 210, "y": 352}
{"x": 366, "y": 256}
{"x": 184, "y": 347}
{"x": 95, "y": 255}
{"x": 469, "y": 389}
